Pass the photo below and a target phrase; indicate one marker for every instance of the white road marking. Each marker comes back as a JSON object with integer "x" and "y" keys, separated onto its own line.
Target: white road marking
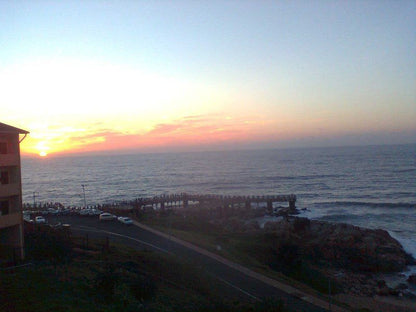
{"x": 238, "y": 288}
{"x": 87, "y": 228}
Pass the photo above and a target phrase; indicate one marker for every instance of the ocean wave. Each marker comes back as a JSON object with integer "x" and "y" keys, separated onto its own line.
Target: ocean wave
{"x": 367, "y": 204}
{"x": 303, "y": 177}
{"x": 406, "y": 170}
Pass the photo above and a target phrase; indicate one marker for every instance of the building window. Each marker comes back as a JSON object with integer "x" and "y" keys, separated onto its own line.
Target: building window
{"x": 4, "y": 207}
{"x": 3, "y": 147}
{"x": 4, "y": 177}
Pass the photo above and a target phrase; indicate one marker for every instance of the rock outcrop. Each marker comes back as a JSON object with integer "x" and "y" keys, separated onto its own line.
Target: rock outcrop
{"x": 343, "y": 245}
{"x": 412, "y": 279}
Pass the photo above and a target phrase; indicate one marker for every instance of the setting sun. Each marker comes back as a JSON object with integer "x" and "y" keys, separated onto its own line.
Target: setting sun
{"x": 43, "y": 154}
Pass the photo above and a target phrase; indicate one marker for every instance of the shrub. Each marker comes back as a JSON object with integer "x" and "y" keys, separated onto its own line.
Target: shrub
{"x": 48, "y": 245}
{"x": 285, "y": 257}
{"x": 143, "y": 288}
{"x": 301, "y": 224}
{"x": 105, "y": 283}
{"x": 269, "y": 305}
{"x": 315, "y": 279}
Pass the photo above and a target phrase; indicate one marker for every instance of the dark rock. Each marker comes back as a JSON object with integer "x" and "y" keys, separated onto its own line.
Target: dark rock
{"x": 410, "y": 260}
{"x": 251, "y": 226}
{"x": 343, "y": 245}
{"x": 381, "y": 283}
{"x": 394, "y": 292}
{"x": 408, "y": 294}
{"x": 384, "y": 291}
{"x": 412, "y": 279}
{"x": 401, "y": 286}
{"x": 293, "y": 211}
{"x": 301, "y": 224}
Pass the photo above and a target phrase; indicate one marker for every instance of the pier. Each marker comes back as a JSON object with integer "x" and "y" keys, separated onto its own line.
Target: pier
{"x": 184, "y": 200}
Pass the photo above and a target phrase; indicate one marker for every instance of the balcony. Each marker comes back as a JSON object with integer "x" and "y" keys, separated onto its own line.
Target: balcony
{"x": 10, "y": 219}
{"x": 11, "y": 189}
{"x": 9, "y": 160}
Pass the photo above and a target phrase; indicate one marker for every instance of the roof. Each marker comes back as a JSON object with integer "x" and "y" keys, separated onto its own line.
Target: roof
{"x": 9, "y": 129}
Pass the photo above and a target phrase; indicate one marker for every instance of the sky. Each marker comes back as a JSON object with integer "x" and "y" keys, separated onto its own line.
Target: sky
{"x": 145, "y": 76}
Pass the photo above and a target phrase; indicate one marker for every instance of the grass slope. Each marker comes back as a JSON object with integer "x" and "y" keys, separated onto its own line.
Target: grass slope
{"x": 64, "y": 278}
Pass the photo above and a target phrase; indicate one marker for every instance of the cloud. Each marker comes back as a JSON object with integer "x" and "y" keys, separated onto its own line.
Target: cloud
{"x": 162, "y": 129}
{"x": 192, "y": 130}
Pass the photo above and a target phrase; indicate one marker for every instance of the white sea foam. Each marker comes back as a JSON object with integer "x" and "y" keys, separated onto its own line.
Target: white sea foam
{"x": 408, "y": 244}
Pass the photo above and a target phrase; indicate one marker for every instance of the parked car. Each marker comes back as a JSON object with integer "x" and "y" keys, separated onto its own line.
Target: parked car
{"x": 84, "y": 212}
{"x": 40, "y": 219}
{"x": 65, "y": 211}
{"x": 26, "y": 217}
{"x": 52, "y": 211}
{"x": 125, "y": 220}
{"x": 95, "y": 212}
{"x": 107, "y": 216}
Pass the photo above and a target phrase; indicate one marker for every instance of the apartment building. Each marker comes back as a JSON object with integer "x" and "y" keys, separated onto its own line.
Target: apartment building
{"x": 11, "y": 219}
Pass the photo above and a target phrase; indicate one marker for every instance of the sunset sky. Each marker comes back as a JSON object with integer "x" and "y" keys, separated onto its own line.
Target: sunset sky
{"x": 118, "y": 76}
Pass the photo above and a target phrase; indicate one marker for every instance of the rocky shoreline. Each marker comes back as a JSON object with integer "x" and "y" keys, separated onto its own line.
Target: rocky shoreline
{"x": 355, "y": 257}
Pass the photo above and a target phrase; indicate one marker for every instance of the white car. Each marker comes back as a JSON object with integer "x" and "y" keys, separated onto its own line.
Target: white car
{"x": 95, "y": 212}
{"x": 40, "y": 219}
{"x": 125, "y": 220}
{"x": 107, "y": 216}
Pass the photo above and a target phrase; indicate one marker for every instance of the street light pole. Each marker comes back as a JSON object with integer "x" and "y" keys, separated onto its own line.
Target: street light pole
{"x": 34, "y": 199}
{"x": 83, "y": 190}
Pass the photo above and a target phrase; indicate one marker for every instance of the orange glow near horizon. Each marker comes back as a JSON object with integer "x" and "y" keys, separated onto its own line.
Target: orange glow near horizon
{"x": 189, "y": 132}
{"x": 77, "y": 106}
{"x": 45, "y": 140}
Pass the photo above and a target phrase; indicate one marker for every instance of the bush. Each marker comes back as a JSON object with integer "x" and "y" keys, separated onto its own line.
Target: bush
{"x": 285, "y": 257}
{"x": 143, "y": 289}
{"x": 269, "y": 305}
{"x": 289, "y": 255}
{"x": 8, "y": 255}
{"x": 105, "y": 283}
{"x": 48, "y": 244}
{"x": 301, "y": 224}
{"x": 315, "y": 279}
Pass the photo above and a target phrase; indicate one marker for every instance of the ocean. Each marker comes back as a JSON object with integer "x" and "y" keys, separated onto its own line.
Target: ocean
{"x": 371, "y": 186}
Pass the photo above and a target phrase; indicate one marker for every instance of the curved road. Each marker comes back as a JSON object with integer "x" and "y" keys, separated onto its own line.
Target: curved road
{"x": 234, "y": 281}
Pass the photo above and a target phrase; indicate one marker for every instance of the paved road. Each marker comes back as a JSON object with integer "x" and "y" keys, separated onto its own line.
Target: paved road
{"x": 233, "y": 281}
